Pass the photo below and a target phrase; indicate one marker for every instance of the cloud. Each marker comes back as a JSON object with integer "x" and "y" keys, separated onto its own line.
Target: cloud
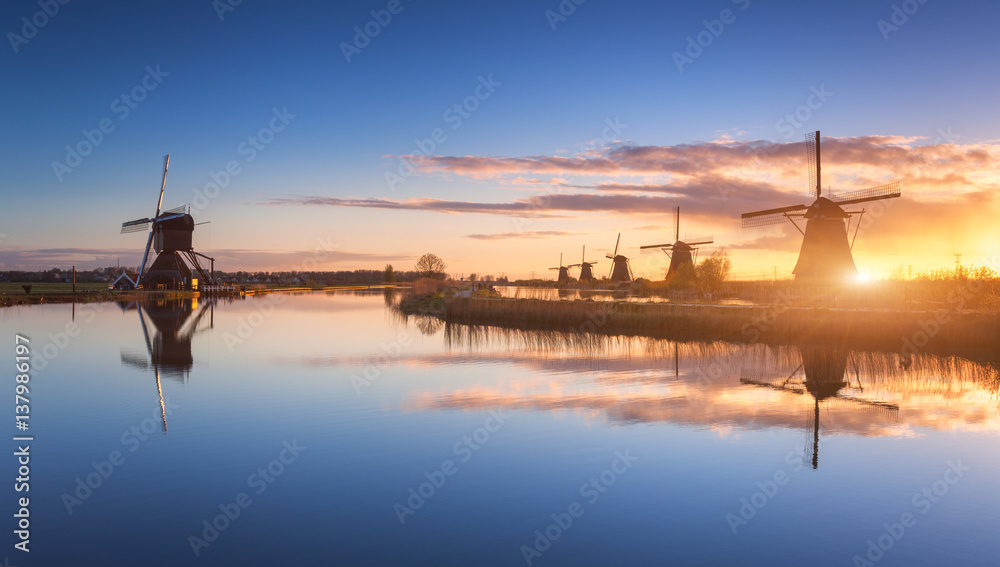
{"x": 526, "y": 234}
{"x": 226, "y": 260}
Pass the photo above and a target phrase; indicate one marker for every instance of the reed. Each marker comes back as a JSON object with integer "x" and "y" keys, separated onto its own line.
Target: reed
{"x": 916, "y": 331}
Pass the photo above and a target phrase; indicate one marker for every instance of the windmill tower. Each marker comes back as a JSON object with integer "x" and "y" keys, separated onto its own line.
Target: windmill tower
{"x": 170, "y": 236}
{"x": 680, "y": 252}
{"x": 563, "y": 272}
{"x": 824, "y": 371}
{"x": 586, "y": 268}
{"x": 825, "y": 256}
{"x": 620, "y": 270}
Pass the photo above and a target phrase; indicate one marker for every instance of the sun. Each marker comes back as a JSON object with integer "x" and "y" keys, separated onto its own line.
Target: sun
{"x": 863, "y": 277}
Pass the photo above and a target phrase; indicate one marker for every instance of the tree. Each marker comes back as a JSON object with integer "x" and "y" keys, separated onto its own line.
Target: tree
{"x": 714, "y": 270}
{"x": 430, "y": 266}
{"x": 389, "y": 275}
{"x": 472, "y": 277}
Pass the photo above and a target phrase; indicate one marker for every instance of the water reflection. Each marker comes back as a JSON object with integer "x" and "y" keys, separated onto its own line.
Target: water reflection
{"x": 172, "y": 326}
{"x": 724, "y": 387}
{"x": 824, "y": 371}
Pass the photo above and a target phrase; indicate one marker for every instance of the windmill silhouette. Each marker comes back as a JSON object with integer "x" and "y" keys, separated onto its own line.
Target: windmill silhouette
{"x": 679, "y": 251}
{"x": 824, "y": 370}
{"x": 563, "y": 271}
{"x": 586, "y": 268}
{"x": 825, "y": 256}
{"x": 171, "y": 236}
{"x": 620, "y": 272}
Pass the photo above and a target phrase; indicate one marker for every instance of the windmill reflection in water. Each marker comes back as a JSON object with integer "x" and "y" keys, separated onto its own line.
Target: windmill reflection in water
{"x": 168, "y": 343}
{"x": 825, "y": 376}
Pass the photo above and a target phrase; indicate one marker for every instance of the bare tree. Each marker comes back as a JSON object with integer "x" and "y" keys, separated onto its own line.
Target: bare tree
{"x": 430, "y": 266}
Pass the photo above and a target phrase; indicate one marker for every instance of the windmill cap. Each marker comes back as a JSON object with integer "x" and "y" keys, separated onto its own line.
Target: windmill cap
{"x": 824, "y": 207}
{"x": 182, "y": 222}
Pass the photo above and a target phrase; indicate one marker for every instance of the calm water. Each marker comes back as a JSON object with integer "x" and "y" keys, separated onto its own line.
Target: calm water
{"x": 333, "y": 433}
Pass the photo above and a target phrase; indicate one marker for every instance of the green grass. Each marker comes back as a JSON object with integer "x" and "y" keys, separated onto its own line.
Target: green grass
{"x": 50, "y": 288}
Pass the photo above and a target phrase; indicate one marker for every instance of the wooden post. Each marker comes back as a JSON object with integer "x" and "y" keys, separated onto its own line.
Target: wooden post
{"x": 74, "y": 280}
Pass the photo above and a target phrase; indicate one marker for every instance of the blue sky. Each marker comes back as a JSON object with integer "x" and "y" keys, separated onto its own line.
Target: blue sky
{"x": 933, "y": 82}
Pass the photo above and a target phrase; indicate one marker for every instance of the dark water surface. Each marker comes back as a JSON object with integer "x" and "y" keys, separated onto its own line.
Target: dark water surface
{"x": 333, "y": 433}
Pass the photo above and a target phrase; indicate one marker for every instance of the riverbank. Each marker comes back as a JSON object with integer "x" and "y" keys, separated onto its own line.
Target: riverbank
{"x": 41, "y": 295}
{"x": 893, "y": 330}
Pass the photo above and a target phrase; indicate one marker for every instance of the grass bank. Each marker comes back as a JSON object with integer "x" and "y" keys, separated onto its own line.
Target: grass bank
{"x": 900, "y": 331}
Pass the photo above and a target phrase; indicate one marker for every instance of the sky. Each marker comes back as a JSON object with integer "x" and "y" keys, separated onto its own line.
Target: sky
{"x": 497, "y": 135}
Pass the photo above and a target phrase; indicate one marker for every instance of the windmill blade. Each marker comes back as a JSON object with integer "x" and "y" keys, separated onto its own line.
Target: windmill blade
{"x": 654, "y": 247}
{"x": 181, "y": 209}
{"x": 163, "y": 183}
{"x": 135, "y": 226}
{"x": 887, "y": 191}
{"x": 617, "y": 242}
{"x": 700, "y": 240}
{"x": 770, "y": 216}
{"x": 812, "y": 152}
{"x": 574, "y": 265}
{"x": 874, "y": 404}
{"x": 135, "y": 360}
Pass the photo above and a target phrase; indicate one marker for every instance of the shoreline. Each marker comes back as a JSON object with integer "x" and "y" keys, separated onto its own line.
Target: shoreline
{"x": 42, "y": 298}
{"x": 906, "y": 332}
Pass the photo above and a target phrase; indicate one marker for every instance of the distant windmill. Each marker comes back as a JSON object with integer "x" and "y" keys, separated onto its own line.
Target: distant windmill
{"x": 680, "y": 252}
{"x": 586, "y": 271}
{"x": 620, "y": 270}
{"x": 825, "y": 255}
{"x": 171, "y": 236}
{"x": 824, "y": 370}
{"x": 563, "y": 271}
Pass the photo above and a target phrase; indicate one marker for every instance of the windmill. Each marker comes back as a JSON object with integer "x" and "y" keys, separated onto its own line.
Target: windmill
{"x": 170, "y": 235}
{"x": 586, "y": 271}
{"x": 620, "y": 270}
{"x": 563, "y": 271}
{"x": 680, "y": 252}
{"x": 825, "y": 255}
{"x": 824, "y": 370}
